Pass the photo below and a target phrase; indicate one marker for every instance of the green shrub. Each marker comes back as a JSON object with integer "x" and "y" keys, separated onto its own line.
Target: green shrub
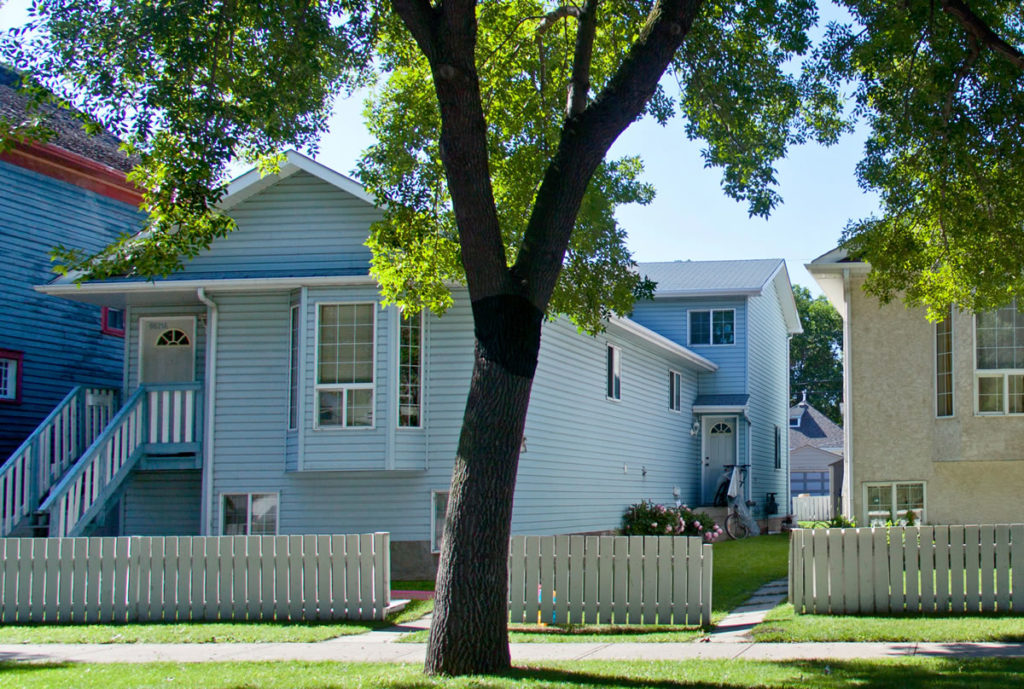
{"x": 646, "y": 518}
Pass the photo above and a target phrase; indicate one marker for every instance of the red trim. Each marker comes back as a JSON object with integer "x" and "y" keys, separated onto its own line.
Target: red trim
{"x": 20, "y": 358}
{"x": 75, "y": 169}
{"x": 105, "y": 323}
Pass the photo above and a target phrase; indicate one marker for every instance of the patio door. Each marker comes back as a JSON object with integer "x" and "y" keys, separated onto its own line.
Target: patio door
{"x": 719, "y": 451}
{"x": 167, "y": 349}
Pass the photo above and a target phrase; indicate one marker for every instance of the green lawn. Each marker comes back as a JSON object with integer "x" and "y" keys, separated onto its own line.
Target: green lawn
{"x": 200, "y": 632}
{"x": 911, "y": 673}
{"x": 740, "y": 568}
{"x": 782, "y": 624}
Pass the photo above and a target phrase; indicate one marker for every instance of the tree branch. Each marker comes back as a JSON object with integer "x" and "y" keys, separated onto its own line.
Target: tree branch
{"x": 579, "y": 87}
{"x": 586, "y": 139}
{"x": 447, "y": 37}
{"x": 977, "y": 27}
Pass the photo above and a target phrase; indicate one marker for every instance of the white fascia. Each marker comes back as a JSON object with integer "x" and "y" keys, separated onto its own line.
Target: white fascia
{"x": 661, "y": 342}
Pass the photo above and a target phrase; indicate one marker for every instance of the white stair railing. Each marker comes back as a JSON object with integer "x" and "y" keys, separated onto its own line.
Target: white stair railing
{"x": 54, "y": 446}
{"x": 84, "y": 490}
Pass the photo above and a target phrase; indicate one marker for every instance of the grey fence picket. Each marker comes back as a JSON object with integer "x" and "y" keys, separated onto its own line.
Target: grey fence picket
{"x": 908, "y": 570}
{"x": 103, "y": 580}
{"x": 609, "y": 580}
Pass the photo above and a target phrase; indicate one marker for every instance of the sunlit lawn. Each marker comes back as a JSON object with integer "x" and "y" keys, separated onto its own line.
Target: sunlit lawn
{"x": 910, "y": 673}
{"x": 200, "y": 632}
{"x": 782, "y": 624}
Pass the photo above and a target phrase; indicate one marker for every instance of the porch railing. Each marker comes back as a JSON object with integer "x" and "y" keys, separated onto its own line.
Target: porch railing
{"x": 157, "y": 418}
{"x": 54, "y": 446}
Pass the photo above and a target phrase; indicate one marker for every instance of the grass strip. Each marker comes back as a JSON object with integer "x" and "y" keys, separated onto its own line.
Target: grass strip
{"x": 908, "y": 673}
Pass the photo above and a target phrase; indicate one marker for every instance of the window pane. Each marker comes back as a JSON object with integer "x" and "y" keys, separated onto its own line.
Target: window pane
{"x": 722, "y": 327}
{"x": 409, "y": 371}
{"x": 360, "y": 408}
{"x": 8, "y": 379}
{"x": 330, "y": 405}
{"x": 1016, "y": 394}
{"x": 264, "y": 515}
{"x": 944, "y": 366}
{"x": 880, "y": 507}
{"x": 700, "y": 327}
{"x": 235, "y": 514}
{"x": 990, "y": 394}
{"x": 614, "y": 368}
{"x": 440, "y": 512}
{"x": 909, "y": 496}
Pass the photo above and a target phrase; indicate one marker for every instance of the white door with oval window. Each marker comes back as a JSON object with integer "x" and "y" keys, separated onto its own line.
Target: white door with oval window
{"x": 719, "y": 452}
{"x": 167, "y": 353}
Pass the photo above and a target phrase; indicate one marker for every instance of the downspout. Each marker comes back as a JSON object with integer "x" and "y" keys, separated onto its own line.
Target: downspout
{"x": 206, "y": 510}
{"x": 847, "y": 497}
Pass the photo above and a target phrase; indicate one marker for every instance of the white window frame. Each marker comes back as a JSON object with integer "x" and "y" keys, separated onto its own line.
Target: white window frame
{"x": 675, "y": 391}
{"x": 922, "y": 514}
{"x": 435, "y": 543}
{"x": 248, "y": 510}
{"x": 794, "y": 421}
{"x": 952, "y": 366}
{"x": 398, "y": 369}
{"x": 613, "y": 373}
{"x": 294, "y": 366}
{"x": 317, "y": 387}
{"x": 711, "y": 327}
{"x": 13, "y": 365}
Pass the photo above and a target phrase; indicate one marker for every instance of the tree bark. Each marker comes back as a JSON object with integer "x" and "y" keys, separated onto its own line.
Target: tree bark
{"x": 469, "y": 633}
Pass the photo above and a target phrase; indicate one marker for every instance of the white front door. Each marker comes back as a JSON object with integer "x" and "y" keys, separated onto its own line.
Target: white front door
{"x": 167, "y": 349}
{"x": 719, "y": 451}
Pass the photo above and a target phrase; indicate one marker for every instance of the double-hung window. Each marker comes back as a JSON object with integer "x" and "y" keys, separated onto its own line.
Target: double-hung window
{"x": 345, "y": 365}
{"x": 999, "y": 361}
{"x": 675, "y": 394}
{"x": 713, "y": 327}
{"x": 613, "y": 390}
{"x": 10, "y": 376}
{"x": 249, "y": 514}
{"x": 410, "y": 372}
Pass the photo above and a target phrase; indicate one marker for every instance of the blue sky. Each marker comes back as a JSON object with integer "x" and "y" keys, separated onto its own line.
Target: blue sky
{"x": 690, "y": 218}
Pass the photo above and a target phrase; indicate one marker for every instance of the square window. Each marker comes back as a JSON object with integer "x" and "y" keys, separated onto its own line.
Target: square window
{"x": 713, "y": 327}
{"x": 112, "y": 321}
{"x": 249, "y": 514}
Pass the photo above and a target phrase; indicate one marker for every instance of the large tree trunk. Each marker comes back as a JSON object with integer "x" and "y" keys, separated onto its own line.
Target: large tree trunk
{"x": 469, "y": 634}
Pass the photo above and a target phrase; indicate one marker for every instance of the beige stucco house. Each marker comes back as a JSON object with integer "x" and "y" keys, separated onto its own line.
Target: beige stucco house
{"x": 933, "y": 413}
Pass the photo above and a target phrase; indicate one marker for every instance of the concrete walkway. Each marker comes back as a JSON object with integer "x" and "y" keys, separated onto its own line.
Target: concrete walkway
{"x": 368, "y": 651}
{"x": 736, "y": 626}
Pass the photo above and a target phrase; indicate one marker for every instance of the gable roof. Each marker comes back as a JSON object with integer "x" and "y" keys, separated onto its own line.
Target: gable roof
{"x": 750, "y": 277}
{"x": 815, "y": 429}
{"x": 68, "y": 131}
{"x": 252, "y": 182}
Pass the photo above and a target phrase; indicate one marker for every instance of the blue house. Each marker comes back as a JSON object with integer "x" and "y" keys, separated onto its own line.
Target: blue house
{"x": 269, "y": 391}
{"x": 69, "y": 190}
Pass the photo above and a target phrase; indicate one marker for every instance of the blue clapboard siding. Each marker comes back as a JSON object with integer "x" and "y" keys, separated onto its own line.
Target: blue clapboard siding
{"x": 61, "y": 340}
{"x": 769, "y": 397}
{"x": 161, "y": 503}
{"x": 299, "y": 226}
{"x": 669, "y": 317}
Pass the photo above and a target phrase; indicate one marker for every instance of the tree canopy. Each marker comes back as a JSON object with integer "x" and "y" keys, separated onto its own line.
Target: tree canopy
{"x": 816, "y": 355}
{"x": 941, "y": 85}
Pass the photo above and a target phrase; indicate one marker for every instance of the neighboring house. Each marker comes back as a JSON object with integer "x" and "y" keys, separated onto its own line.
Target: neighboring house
{"x": 71, "y": 191}
{"x": 932, "y": 411}
{"x": 280, "y": 396}
{"x": 815, "y": 453}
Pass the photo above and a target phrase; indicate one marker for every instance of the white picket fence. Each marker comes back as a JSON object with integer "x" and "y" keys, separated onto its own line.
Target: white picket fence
{"x": 167, "y": 579}
{"x": 812, "y": 508}
{"x": 908, "y": 570}
{"x": 610, "y": 580}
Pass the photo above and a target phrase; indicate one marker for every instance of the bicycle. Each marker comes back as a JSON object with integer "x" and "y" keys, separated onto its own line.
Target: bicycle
{"x": 736, "y": 524}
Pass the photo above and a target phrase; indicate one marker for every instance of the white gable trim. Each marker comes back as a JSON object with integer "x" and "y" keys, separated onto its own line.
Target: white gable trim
{"x": 662, "y": 342}
{"x": 251, "y": 183}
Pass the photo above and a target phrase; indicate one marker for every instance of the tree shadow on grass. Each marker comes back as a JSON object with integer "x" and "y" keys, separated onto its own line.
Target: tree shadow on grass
{"x": 945, "y": 673}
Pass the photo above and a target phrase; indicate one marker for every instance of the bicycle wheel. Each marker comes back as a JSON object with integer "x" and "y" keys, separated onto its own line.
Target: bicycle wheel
{"x": 735, "y": 527}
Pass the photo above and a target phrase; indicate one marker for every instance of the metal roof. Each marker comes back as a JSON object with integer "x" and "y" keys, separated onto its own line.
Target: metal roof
{"x": 706, "y": 277}
{"x": 721, "y": 400}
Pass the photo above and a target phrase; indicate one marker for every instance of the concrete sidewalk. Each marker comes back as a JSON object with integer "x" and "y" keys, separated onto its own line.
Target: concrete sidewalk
{"x": 384, "y": 652}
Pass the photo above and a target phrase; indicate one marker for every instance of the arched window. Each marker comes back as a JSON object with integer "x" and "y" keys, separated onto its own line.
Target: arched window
{"x": 173, "y": 338}
{"x": 721, "y": 428}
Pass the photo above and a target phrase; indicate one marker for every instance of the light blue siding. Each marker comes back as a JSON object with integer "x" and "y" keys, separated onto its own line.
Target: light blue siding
{"x": 769, "y": 398}
{"x": 132, "y": 360}
{"x": 299, "y": 226}
{"x": 61, "y": 340}
{"x": 161, "y": 503}
{"x": 670, "y": 317}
